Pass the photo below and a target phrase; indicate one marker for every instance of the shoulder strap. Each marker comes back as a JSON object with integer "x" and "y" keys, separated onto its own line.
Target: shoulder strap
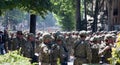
{"x": 65, "y": 48}
{"x": 77, "y": 44}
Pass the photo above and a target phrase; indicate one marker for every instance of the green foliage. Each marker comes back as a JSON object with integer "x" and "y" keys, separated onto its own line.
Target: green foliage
{"x": 14, "y": 16}
{"x": 36, "y": 7}
{"x": 40, "y": 7}
{"x": 64, "y": 10}
{"x": 67, "y": 22}
{"x": 14, "y": 58}
{"x": 115, "y": 59}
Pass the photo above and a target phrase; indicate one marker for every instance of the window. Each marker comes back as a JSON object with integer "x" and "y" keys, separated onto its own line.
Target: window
{"x": 115, "y": 12}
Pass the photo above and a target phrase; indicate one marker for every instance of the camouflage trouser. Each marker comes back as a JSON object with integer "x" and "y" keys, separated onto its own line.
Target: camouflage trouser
{"x": 79, "y": 61}
{"x": 70, "y": 50}
{"x": 95, "y": 59}
{"x": 54, "y": 63}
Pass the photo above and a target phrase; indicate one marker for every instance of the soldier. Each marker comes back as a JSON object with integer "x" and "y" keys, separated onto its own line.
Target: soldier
{"x": 48, "y": 51}
{"x": 95, "y": 49}
{"x": 5, "y": 39}
{"x": 56, "y": 34}
{"x": 106, "y": 51}
{"x": 37, "y": 44}
{"x": 28, "y": 48}
{"x": 2, "y": 44}
{"x": 12, "y": 36}
{"x": 77, "y": 35}
{"x": 63, "y": 52}
{"x": 18, "y": 42}
{"x": 69, "y": 43}
{"x": 38, "y": 41}
{"x": 37, "y": 47}
{"x": 39, "y": 35}
{"x": 82, "y": 51}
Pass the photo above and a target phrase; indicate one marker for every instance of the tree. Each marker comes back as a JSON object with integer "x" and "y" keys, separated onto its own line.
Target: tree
{"x": 94, "y": 26}
{"x": 40, "y": 7}
{"x": 78, "y": 15}
{"x": 13, "y": 17}
{"x": 98, "y": 6}
{"x": 85, "y": 15}
{"x": 64, "y": 12}
{"x": 34, "y": 7}
{"x": 109, "y": 6}
{"x": 93, "y": 9}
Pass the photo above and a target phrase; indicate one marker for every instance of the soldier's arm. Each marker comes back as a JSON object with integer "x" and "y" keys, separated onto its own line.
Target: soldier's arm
{"x": 75, "y": 44}
{"x": 103, "y": 50}
{"x": 89, "y": 53}
{"x": 57, "y": 51}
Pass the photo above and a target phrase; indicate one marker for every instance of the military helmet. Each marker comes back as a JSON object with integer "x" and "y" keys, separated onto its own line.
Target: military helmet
{"x": 47, "y": 36}
{"x": 57, "y": 33}
{"x": 108, "y": 36}
{"x": 76, "y": 32}
{"x": 68, "y": 33}
{"x": 95, "y": 38}
{"x": 19, "y": 33}
{"x": 31, "y": 35}
{"x": 83, "y": 33}
{"x": 91, "y": 39}
{"x": 89, "y": 32}
{"x": 60, "y": 37}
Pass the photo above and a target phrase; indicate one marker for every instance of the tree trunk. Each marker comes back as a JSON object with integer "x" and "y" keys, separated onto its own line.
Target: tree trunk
{"x": 92, "y": 7}
{"x": 78, "y": 16}
{"x": 94, "y": 26}
{"x": 109, "y": 5}
{"x": 85, "y": 15}
{"x": 33, "y": 28}
{"x": 32, "y": 23}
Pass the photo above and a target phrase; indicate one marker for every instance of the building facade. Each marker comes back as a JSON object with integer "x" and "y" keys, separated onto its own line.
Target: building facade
{"x": 113, "y": 7}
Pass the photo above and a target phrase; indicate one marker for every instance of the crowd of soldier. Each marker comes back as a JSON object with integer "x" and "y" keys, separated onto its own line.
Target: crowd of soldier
{"x": 85, "y": 46}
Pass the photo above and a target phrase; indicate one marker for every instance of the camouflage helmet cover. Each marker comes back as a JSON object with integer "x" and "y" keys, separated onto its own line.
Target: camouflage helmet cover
{"x": 31, "y": 35}
{"x": 108, "y": 36}
{"x": 46, "y": 36}
{"x": 83, "y": 32}
{"x": 60, "y": 37}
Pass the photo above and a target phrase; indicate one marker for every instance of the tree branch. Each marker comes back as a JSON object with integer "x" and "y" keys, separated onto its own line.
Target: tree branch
{"x": 101, "y": 5}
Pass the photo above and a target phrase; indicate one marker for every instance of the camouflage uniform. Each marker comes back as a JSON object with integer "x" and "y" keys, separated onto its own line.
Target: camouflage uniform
{"x": 106, "y": 51}
{"x": 10, "y": 41}
{"x": 6, "y": 39}
{"x": 101, "y": 47}
{"x": 28, "y": 48}
{"x": 82, "y": 51}
{"x": 48, "y": 51}
{"x": 37, "y": 47}
{"x": 18, "y": 42}
{"x": 69, "y": 44}
{"x": 63, "y": 51}
{"x": 38, "y": 43}
{"x": 95, "y": 50}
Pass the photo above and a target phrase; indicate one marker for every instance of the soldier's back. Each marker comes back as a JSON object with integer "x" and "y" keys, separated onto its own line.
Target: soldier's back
{"x": 95, "y": 50}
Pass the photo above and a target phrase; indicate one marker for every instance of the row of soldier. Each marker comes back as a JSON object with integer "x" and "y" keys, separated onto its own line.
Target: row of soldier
{"x": 85, "y": 46}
